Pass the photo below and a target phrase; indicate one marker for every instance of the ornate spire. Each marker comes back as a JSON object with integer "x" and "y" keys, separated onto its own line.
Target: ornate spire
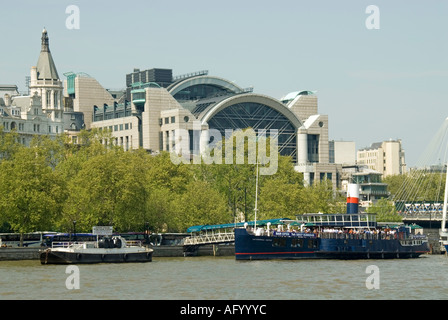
{"x": 45, "y": 41}
{"x": 46, "y": 68}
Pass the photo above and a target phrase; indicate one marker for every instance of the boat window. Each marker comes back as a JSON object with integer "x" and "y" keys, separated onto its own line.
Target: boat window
{"x": 297, "y": 243}
{"x": 279, "y": 242}
{"x": 312, "y": 244}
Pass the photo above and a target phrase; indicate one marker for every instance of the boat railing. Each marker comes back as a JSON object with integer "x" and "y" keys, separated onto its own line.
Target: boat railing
{"x": 358, "y": 236}
{"x": 74, "y": 245}
{"x": 365, "y": 235}
{"x": 371, "y": 236}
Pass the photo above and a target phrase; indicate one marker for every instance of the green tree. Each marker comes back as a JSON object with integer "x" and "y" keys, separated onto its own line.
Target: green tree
{"x": 108, "y": 190}
{"x": 417, "y": 186}
{"x": 31, "y": 192}
{"x": 385, "y": 210}
{"x": 280, "y": 193}
{"x": 160, "y": 211}
{"x": 199, "y": 204}
{"x": 320, "y": 197}
{"x": 8, "y": 144}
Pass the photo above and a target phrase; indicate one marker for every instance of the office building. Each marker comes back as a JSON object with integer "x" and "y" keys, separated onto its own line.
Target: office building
{"x": 199, "y": 101}
{"x": 387, "y": 157}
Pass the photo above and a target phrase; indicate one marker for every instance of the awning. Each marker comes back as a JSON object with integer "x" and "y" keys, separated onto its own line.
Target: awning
{"x": 235, "y": 225}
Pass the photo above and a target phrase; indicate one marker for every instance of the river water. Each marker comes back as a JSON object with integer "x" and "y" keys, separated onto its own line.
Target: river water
{"x": 224, "y": 278}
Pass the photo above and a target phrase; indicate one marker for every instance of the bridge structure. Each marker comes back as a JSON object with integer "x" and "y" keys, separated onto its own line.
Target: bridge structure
{"x": 425, "y": 220}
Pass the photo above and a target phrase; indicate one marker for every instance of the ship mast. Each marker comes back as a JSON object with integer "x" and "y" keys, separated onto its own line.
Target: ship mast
{"x": 256, "y": 199}
{"x": 444, "y": 230}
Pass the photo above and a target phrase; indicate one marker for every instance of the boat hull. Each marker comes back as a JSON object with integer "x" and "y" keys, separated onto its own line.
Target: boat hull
{"x": 61, "y": 257}
{"x": 251, "y": 247}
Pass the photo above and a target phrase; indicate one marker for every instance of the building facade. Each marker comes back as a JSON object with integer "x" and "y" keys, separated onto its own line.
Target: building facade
{"x": 199, "y": 102}
{"x": 371, "y": 187}
{"x": 85, "y": 92}
{"x": 343, "y": 152}
{"x": 40, "y": 112}
{"x": 387, "y": 157}
{"x": 45, "y": 82}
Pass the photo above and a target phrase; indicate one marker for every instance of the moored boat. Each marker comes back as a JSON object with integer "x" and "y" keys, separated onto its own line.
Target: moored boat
{"x": 330, "y": 236}
{"x": 105, "y": 250}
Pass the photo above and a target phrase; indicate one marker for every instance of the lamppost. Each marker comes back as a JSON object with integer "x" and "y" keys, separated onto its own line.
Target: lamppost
{"x": 74, "y": 230}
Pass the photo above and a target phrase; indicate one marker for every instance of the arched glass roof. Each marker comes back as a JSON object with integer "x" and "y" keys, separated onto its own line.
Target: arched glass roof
{"x": 257, "y": 112}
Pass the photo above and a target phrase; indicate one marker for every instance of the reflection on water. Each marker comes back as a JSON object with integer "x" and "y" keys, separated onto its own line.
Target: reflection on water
{"x": 224, "y": 278}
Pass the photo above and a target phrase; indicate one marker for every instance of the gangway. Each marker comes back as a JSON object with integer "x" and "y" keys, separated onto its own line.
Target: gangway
{"x": 214, "y": 238}
{"x": 192, "y": 244}
{"x": 218, "y": 234}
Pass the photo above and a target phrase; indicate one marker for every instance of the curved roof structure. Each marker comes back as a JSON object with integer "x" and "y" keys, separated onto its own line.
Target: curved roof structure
{"x": 292, "y": 95}
{"x": 249, "y": 110}
{"x": 220, "y": 83}
{"x": 222, "y": 105}
{"x": 213, "y": 109}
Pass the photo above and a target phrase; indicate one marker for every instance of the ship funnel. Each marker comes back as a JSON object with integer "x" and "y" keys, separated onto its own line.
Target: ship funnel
{"x": 352, "y": 198}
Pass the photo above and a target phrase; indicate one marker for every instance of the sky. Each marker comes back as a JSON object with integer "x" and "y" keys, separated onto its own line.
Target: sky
{"x": 374, "y": 84}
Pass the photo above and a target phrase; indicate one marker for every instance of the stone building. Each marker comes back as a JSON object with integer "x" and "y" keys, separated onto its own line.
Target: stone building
{"x": 387, "y": 157}
{"x": 202, "y": 102}
{"x": 40, "y": 112}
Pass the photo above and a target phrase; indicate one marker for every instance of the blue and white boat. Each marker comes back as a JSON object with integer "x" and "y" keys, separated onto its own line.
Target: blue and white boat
{"x": 350, "y": 235}
{"x": 329, "y": 236}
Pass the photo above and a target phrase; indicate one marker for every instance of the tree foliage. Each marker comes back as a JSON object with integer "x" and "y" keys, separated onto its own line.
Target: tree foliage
{"x": 52, "y": 183}
{"x": 385, "y": 210}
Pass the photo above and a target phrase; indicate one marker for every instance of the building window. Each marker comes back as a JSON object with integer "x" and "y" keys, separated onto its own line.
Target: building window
{"x": 167, "y": 141}
{"x": 167, "y": 120}
{"x": 173, "y": 119}
{"x": 313, "y": 148}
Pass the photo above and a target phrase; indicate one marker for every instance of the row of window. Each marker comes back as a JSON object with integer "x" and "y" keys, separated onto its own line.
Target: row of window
{"x": 296, "y": 243}
{"x": 21, "y": 127}
{"x": 118, "y": 127}
{"x": 167, "y": 120}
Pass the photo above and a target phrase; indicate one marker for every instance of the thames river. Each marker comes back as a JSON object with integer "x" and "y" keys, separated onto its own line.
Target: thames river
{"x": 223, "y": 278}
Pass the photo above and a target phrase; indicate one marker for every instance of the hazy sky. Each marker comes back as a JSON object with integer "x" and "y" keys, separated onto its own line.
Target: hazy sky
{"x": 374, "y": 84}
